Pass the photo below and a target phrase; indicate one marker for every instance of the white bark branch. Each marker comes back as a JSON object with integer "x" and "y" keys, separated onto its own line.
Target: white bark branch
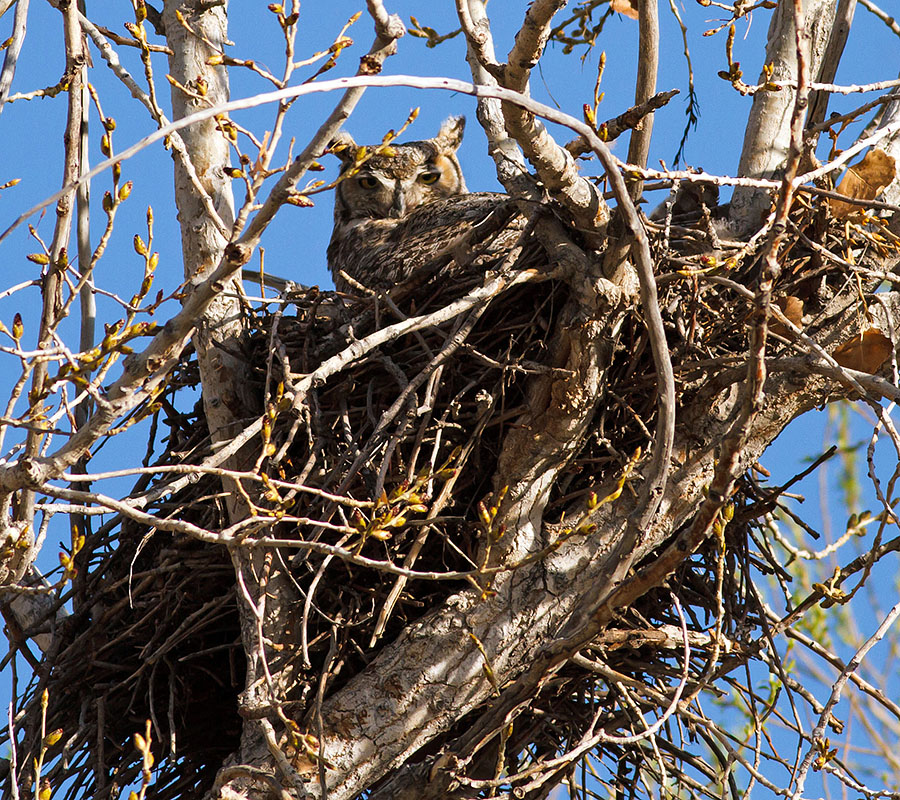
{"x": 767, "y": 137}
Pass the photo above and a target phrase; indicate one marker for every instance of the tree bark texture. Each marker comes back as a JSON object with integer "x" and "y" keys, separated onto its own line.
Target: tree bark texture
{"x": 203, "y": 242}
{"x": 768, "y": 133}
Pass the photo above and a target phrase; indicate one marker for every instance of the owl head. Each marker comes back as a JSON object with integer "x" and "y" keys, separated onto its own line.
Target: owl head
{"x": 390, "y": 185}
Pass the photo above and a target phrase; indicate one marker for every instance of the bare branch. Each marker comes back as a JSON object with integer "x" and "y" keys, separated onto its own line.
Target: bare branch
{"x": 831, "y": 58}
{"x": 12, "y": 52}
{"x": 648, "y": 65}
{"x": 627, "y": 120}
{"x": 888, "y": 20}
{"x": 554, "y": 165}
{"x": 511, "y": 169}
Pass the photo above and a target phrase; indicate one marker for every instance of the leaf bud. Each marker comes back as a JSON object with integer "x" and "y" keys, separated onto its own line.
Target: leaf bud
{"x": 300, "y": 200}
{"x": 53, "y": 737}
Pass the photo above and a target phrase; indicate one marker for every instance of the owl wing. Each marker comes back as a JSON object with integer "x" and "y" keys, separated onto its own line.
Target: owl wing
{"x": 380, "y": 253}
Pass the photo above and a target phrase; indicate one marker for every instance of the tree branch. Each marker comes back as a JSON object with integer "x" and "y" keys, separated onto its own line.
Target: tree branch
{"x": 648, "y": 65}
{"x": 20, "y": 24}
{"x": 767, "y": 136}
{"x": 554, "y": 164}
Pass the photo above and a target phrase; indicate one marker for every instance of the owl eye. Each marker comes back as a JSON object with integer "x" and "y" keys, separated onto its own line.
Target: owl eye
{"x": 429, "y": 177}
{"x": 368, "y": 182}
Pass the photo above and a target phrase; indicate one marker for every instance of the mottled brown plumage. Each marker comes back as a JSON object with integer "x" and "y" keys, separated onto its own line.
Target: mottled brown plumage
{"x": 398, "y": 210}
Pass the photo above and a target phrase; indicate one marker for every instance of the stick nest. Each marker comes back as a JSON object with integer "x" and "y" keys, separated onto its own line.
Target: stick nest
{"x": 411, "y": 432}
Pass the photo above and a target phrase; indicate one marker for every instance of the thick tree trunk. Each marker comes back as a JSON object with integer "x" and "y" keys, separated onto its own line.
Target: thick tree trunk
{"x": 768, "y": 133}
{"x": 203, "y": 238}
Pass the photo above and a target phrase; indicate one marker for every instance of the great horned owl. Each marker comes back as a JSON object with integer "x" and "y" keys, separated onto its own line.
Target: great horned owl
{"x": 396, "y": 210}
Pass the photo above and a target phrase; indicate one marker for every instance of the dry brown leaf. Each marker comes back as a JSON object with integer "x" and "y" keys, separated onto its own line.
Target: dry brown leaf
{"x": 792, "y": 308}
{"x": 624, "y": 7}
{"x": 866, "y": 352}
{"x": 863, "y": 181}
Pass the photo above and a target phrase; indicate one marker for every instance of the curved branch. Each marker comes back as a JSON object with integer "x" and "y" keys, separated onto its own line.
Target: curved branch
{"x": 512, "y": 171}
{"x": 554, "y": 165}
{"x": 477, "y": 30}
{"x": 145, "y": 371}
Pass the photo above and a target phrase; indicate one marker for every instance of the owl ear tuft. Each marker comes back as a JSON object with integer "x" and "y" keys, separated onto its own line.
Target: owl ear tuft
{"x": 450, "y": 135}
{"x": 344, "y": 148}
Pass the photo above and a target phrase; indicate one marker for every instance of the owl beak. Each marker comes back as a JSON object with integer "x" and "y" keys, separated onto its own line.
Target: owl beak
{"x": 398, "y": 203}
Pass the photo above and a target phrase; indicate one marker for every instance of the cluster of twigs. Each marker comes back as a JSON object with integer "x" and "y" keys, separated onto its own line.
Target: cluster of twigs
{"x": 152, "y": 635}
{"x": 383, "y": 478}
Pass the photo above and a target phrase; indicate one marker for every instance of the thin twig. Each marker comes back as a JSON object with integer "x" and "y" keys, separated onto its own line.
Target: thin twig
{"x": 888, "y": 20}
{"x": 799, "y": 780}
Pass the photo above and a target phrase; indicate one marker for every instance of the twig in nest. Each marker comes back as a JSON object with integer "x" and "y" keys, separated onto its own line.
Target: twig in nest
{"x": 627, "y": 120}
